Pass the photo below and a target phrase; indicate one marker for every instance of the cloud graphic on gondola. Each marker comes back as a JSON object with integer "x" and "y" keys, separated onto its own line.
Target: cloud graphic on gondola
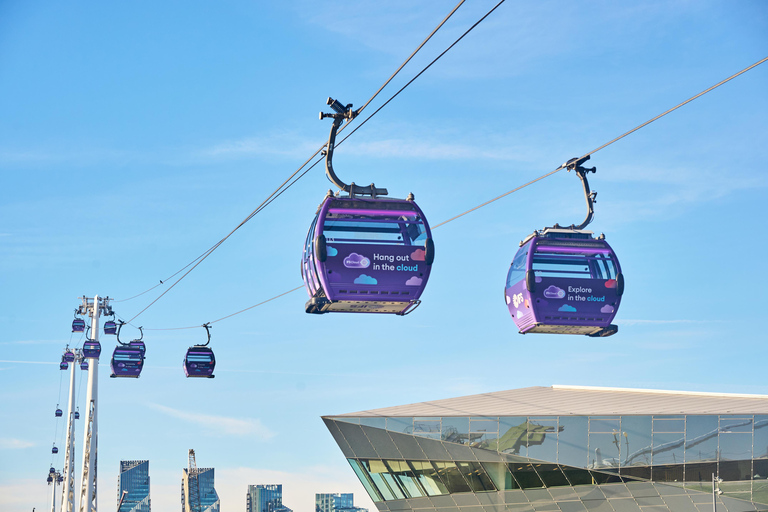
{"x": 566, "y": 307}
{"x": 414, "y": 281}
{"x": 419, "y": 255}
{"x": 606, "y": 309}
{"x": 355, "y": 260}
{"x": 332, "y": 251}
{"x": 364, "y": 279}
{"x": 519, "y": 314}
{"x": 553, "y": 292}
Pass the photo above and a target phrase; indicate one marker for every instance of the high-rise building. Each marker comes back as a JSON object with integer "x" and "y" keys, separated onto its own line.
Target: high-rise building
{"x": 563, "y": 448}
{"x": 336, "y": 502}
{"x": 265, "y": 498}
{"x": 203, "y": 483}
{"x": 134, "y": 478}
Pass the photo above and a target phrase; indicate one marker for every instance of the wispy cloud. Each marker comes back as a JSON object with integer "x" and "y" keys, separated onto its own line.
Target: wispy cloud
{"x": 7, "y": 443}
{"x": 271, "y": 144}
{"x": 220, "y": 424}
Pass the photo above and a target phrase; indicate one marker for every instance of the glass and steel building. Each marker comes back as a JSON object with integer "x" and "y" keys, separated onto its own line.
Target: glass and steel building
{"x": 563, "y": 448}
{"x": 265, "y": 498}
{"x": 134, "y": 478}
{"x": 336, "y": 502}
{"x": 209, "y": 499}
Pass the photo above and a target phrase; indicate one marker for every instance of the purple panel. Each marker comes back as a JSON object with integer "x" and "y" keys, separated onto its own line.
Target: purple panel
{"x": 126, "y": 362}
{"x": 375, "y": 272}
{"x": 568, "y": 301}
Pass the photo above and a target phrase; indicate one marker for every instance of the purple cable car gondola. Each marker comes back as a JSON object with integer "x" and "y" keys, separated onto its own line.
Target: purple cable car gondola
{"x": 128, "y": 358}
{"x": 365, "y": 255}
{"x": 77, "y": 415}
{"x": 110, "y": 327}
{"x": 50, "y": 478}
{"x": 78, "y": 325}
{"x": 91, "y": 348}
{"x": 199, "y": 360}
{"x": 52, "y": 470}
{"x": 565, "y": 281}
{"x": 63, "y": 365}
{"x": 126, "y": 361}
{"x": 68, "y": 356}
{"x": 54, "y": 450}
{"x": 84, "y": 364}
{"x": 59, "y": 413}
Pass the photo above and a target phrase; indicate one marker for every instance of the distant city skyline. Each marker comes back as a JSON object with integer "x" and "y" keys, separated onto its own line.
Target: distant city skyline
{"x": 265, "y": 498}
{"x": 336, "y": 502}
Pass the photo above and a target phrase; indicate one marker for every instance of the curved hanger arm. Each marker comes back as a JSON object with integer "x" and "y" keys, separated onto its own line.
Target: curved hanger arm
{"x": 207, "y": 330}
{"x": 341, "y": 113}
{"x": 574, "y": 164}
{"x": 120, "y": 325}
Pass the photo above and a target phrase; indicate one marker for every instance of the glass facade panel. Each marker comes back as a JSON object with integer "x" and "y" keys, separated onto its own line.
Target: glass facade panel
{"x": 513, "y": 435}
{"x": 428, "y": 478}
{"x": 426, "y": 427}
{"x": 736, "y": 424}
{"x": 375, "y": 474}
{"x": 735, "y": 446}
{"x": 402, "y": 425}
{"x": 571, "y": 447}
{"x": 456, "y": 430}
{"x": 735, "y": 470}
{"x": 526, "y": 476}
{"x": 668, "y": 424}
{"x": 604, "y": 450}
{"x": 668, "y": 448}
{"x": 542, "y": 439}
{"x": 486, "y": 441}
{"x": 451, "y": 477}
{"x": 499, "y": 473}
{"x": 476, "y": 477}
{"x": 374, "y": 422}
{"x": 551, "y": 475}
{"x": 365, "y": 480}
{"x": 701, "y": 438}
{"x": 484, "y": 425}
{"x": 577, "y": 476}
{"x": 636, "y": 442}
{"x": 760, "y": 440}
{"x": 605, "y": 425}
{"x": 405, "y": 477}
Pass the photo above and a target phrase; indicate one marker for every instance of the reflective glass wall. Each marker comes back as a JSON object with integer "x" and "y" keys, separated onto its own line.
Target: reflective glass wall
{"x": 683, "y": 450}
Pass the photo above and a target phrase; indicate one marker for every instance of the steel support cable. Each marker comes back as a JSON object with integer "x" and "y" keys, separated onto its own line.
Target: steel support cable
{"x": 281, "y": 188}
{"x": 562, "y": 166}
{"x": 420, "y": 73}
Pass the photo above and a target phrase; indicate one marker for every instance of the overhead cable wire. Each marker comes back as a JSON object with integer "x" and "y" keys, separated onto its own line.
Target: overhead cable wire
{"x": 282, "y": 186}
{"x": 563, "y": 166}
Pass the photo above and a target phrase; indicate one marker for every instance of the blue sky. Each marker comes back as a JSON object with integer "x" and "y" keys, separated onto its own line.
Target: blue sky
{"x": 134, "y": 136}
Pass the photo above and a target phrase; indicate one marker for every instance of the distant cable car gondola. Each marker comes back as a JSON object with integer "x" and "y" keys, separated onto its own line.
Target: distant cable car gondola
{"x": 68, "y": 356}
{"x": 564, "y": 280}
{"x": 77, "y": 415}
{"x": 63, "y": 365}
{"x": 50, "y": 478}
{"x": 110, "y": 327}
{"x": 91, "y": 348}
{"x": 365, "y": 254}
{"x": 199, "y": 360}
{"x": 54, "y": 450}
{"x": 128, "y": 358}
{"x": 59, "y": 413}
{"x": 78, "y": 324}
{"x": 83, "y": 364}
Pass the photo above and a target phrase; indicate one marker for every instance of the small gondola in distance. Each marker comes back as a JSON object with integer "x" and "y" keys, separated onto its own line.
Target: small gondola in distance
{"x": 199, "y": 361}
{"x": 563, "y": 280}
{"x": 364, "y": 253}
{"x": 91, "y": 348}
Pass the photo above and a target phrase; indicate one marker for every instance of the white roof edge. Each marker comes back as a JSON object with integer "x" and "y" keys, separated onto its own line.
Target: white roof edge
{"x": 657, "y": 391}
